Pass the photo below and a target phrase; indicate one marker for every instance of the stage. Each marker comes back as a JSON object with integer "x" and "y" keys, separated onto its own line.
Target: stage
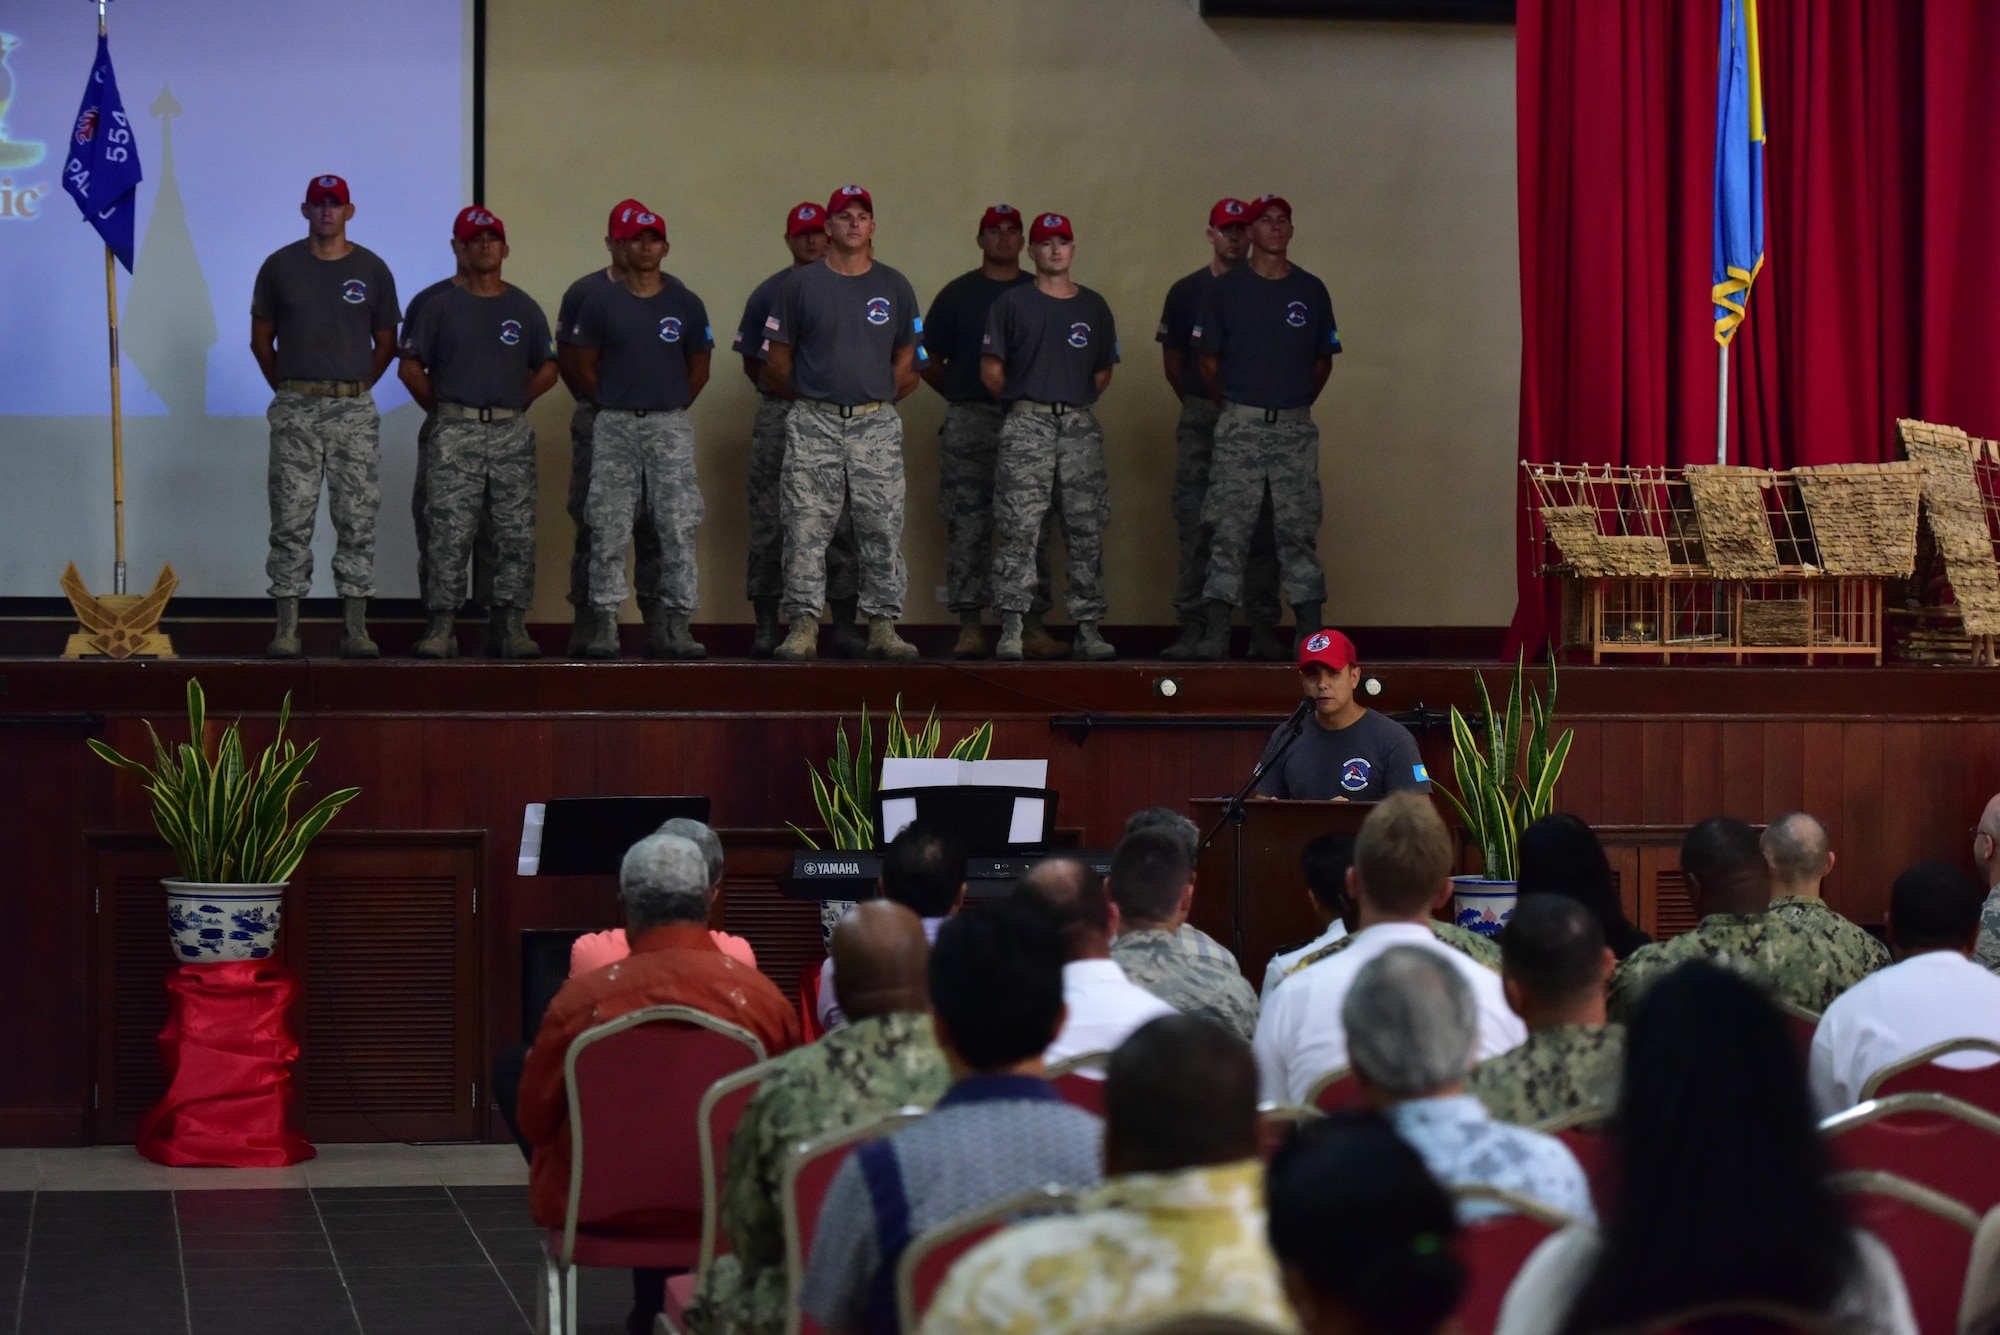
{"x": 407, "y": 923}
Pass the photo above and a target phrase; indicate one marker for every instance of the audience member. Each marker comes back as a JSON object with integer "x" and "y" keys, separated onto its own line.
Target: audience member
{"x": 924, "y": 871}
{"x": 1935, "y": 993}
{"x": 1101, "y": 1004}
{"x": 1801, "y": 858}
{"x": 1411, "y": 1022}
{"x": 882, "y": 1059}
{"x": 1554, "y": 968}
{"x": 1364, "y": 1236}
{"x": 1324, "y": 862}
{"x": 663, "y": 883}
{"x": 1723, "y": 1194}
{"x": 1560, "y": 855}
{"x": 1166, "y": 818}
{"x": 1402, "y": 865}
{"x": 1152, "y": 883}
{"x": 1177, "y": 1229}
{"x": 1986, "y": 854}
{"x": 594, "y": 950}
{"x": 996, "y": 1004}
{"x": 1729, "y": 885}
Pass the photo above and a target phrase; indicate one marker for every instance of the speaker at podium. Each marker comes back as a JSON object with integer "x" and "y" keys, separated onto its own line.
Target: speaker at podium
{"x": 1249, "y": 891}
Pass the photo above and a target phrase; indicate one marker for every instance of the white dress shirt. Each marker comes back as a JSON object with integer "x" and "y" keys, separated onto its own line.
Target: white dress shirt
{"x": 1897, "y": 1011}
{"x": 1104, "y": 1007}
{"x": 1281, "y": 964}
{"x": 1299, "y": 1035}
{"x": 831, "y": 1016}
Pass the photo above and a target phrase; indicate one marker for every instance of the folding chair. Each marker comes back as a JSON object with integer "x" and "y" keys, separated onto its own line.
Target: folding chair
{"x": 1979, "y": 1310}
{"x": 809, "y": 1172}
{"x": 1275, "y": 1122}
{"x": 1080, "y": 1080}
{"x": 1929, "y": 1233}
{"x": 809, "y": 1025}
{"x": 1931, "y": 1139}
{"x": 635, "y": 1086}
{"x": 1335, "y": 1090}
{"x": 721, "y": 1109}
{"x": 930, "y": 1255}
{"x": 1596, "y": 1153}
{"x": 1494, "y": 1250}
{"x": 1802, "y": 1022}
{"x": 1919, "y": 1073}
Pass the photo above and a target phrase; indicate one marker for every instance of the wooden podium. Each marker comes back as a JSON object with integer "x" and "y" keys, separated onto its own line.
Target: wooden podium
{"x": 1249, "y": 892}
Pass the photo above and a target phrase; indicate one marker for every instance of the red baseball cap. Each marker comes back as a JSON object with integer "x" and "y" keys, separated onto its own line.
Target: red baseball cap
{"x": 1263, "y": 203}
{"x": 804, "y": 218}
{"x": 1229, "y": 213}
{"x": 1328, "y": 647}
{"x": 321, "y": 186}
{"x": 1050, "y": 224}
{"x": 849, "y": 194}
{"x": 471, "y": 222}
{"x": 631, "y": 222}
{"x": 999, "y": 213}
{"x": 622, "y": 208}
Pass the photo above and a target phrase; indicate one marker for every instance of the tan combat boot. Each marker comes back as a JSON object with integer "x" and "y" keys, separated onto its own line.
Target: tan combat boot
{"x": 438, "y": 640}
{"x": 1037, "y": 643}
{"x": 285, "y": 644}
{"x": 1009, "y": 648}
{"x": 971, "y": 636}
{"x": 354, "y": 641}
{"x": 885, "y": 643}
{"x": 802, "y": 645}
{"x": 507, "y": 634}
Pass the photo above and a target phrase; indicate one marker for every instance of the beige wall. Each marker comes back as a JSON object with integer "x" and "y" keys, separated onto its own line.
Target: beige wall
{"x": 1393, "y": 142}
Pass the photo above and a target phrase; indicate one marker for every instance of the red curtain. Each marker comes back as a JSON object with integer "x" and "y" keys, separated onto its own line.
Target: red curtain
{"x": 1880, "y": 293}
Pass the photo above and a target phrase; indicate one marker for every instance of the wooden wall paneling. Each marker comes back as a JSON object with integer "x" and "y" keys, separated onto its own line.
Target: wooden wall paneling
{"x": 1823, "y": 787}
{"x": 1784, "y": 766}
{"x": 1581, "y": 788}
{"x": 1623, "y": 801}
{"x": 1859, "y": 886}
{"x": 1659, "y": 763}
{"x": 784, "y": 932}
{"x": 1743, "y": 772}
{"x": 1701, "y": 769}
{"x": 1901, "y": 820}
{"x": 132, "y": 958}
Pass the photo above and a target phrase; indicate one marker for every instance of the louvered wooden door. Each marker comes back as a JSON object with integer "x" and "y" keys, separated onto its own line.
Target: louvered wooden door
{"x": 381, "y": 928}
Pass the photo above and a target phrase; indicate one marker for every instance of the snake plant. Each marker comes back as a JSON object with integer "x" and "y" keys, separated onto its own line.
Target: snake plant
{"x": 845, "y": 794}
{"x": 1512, "y": 783}
{"x": 229, "y": 822}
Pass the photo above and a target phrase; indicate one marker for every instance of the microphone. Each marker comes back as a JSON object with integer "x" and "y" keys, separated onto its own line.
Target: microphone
{"x": 1298, "y": 715}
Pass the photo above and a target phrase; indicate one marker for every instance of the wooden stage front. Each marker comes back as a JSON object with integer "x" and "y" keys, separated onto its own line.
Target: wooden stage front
{"x": 408, "y": 923}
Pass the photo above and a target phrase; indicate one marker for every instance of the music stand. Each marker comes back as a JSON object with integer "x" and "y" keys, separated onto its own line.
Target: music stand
{"x": 979, "y": 816}
{"x": 589, "y": 836}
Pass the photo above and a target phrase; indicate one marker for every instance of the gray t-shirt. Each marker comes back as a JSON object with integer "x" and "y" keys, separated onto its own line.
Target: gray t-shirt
{"x": 1051, "y": 347}
{"x": 749, "y": 339}
{"x": 418, "y": 302}
{"x": 1365, "y": 761}
{"x": 844, "y": 331}
{"x": 1265, "y": 334}
{"x": 955, "y": 329}
{"x": 480, "y": 351}
{"x": 327, "y": 312}
{"x": 573, "y": 297}
{"x": 1177, "y": 316}
{"x": 643, "y": 344}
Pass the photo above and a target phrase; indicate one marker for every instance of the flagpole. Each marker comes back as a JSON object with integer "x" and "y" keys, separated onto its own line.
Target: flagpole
{"x": 117, "y": 414}
{"x": 1721, "y": 402}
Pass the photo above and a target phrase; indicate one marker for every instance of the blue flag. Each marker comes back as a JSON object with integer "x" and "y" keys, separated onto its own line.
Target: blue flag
{"x": 1739, "y": 168}
{"x": 102, "y": 174}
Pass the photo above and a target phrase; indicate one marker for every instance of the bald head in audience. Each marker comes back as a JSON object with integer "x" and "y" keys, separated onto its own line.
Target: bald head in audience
{"x": 880, "y": 955}
{"x": 1071, "y": 894}
{"x": 1799, "y": 855}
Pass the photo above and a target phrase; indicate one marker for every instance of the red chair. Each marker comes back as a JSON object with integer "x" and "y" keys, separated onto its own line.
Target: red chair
{"x": 1494, "y": 1250}
{"x": 1929, "y": 1233}
{"x": 1334, "y": 1091}
{"x": 930, "y": 1255}
{"x": 635, "y": 1088}
{"x": 1080, "y": 1080}
{"x": 721, "y": 1109}
{"x": 1597, "y": 1154}
{"x": 809, "y": 1024}
{"x": 809, "y": 1172}
{"x": 1275, "y": 1122}
{"x": 1803, "y": 1024}
{"x": 1948, "y": 1146}
{"x": 1920, "y": 1073}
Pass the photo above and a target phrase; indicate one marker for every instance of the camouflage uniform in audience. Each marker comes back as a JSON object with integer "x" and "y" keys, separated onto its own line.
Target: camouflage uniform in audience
{"x": 1190, "y": 983}
{"x": 1203, "y": 946}
{"x": 1854, "y": 945}
{"x": 1804, "y": 967}
{"x": 1482, "y": 949}
{"x": 1987, "y": 952}
{"x": 1560, "y": 1071}
{"x": 854, "y": 1074}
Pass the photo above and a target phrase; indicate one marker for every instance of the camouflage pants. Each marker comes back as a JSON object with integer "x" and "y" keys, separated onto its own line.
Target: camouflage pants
{"x": 645, "y": 537}
{"x": 1051, "y": 464}
{"x": 766, "y": 577}
{"x": 1194, "y": 448}
{"x": 968, "y": 451}
{"x": 338, "y": 439}
{"x": 483, "y": 551}
{"x": 1259, "y": 463}
{"x": 482, "y": 474}
{"x": 828, "y": 459}
{"x": 643, "y": 465}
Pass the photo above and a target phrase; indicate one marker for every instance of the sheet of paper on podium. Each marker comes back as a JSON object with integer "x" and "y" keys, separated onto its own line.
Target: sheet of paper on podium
{"x": 929, "y": 772}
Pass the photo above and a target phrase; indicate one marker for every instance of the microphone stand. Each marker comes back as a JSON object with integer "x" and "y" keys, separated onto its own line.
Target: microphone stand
{"x": 1232, "y": 814}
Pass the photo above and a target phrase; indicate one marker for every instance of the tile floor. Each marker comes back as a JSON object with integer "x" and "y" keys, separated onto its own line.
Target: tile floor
{"x": 363, "y": 1240}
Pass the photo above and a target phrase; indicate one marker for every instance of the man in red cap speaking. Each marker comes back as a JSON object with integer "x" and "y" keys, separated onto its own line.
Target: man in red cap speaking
{"x": 323, "y": 329}
{"x": 1346, "y": 752}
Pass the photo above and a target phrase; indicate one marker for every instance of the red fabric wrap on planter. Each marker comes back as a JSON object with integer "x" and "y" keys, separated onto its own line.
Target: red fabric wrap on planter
{"x": 228, "y": 1051}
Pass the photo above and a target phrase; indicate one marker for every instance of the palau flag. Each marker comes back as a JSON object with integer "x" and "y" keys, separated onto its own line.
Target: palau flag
{"x": 1739, "y": 168}
{"x": 102, "y": 172}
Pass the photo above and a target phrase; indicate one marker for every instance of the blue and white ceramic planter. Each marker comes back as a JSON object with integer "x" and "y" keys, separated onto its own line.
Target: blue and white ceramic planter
{"x": 1480, "y": 905}
{"x": 212, "y": 923}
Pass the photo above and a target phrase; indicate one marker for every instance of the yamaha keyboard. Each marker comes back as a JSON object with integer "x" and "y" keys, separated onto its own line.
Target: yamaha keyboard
{"x": 839, "y": 874}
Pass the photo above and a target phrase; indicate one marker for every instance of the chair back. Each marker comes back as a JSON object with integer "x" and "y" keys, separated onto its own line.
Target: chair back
{"x": 1201, "y": 1323}
{"x": 1597, "y": 1154}
{"x": 635, "y": 1087}
{"x": 1919, "y": 1072}
{"x": 721, "y": 1109}
{"x": 1802, "y": 1022}
{"x": 1929, "y": 1234}
{"x": 930, "y": 1255}
{"x": 809, "y": 1173}
{"x": 1931, "y": 1139}
{"x": 1275, "y": 1122}
{"x": 1336, "y": 1090}
{"x": 1080, "y": 1080}
{"x": 1741, "y": 1318}
{"x": 1494, "y": 1250}
{"x": 809, "y": 1024}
